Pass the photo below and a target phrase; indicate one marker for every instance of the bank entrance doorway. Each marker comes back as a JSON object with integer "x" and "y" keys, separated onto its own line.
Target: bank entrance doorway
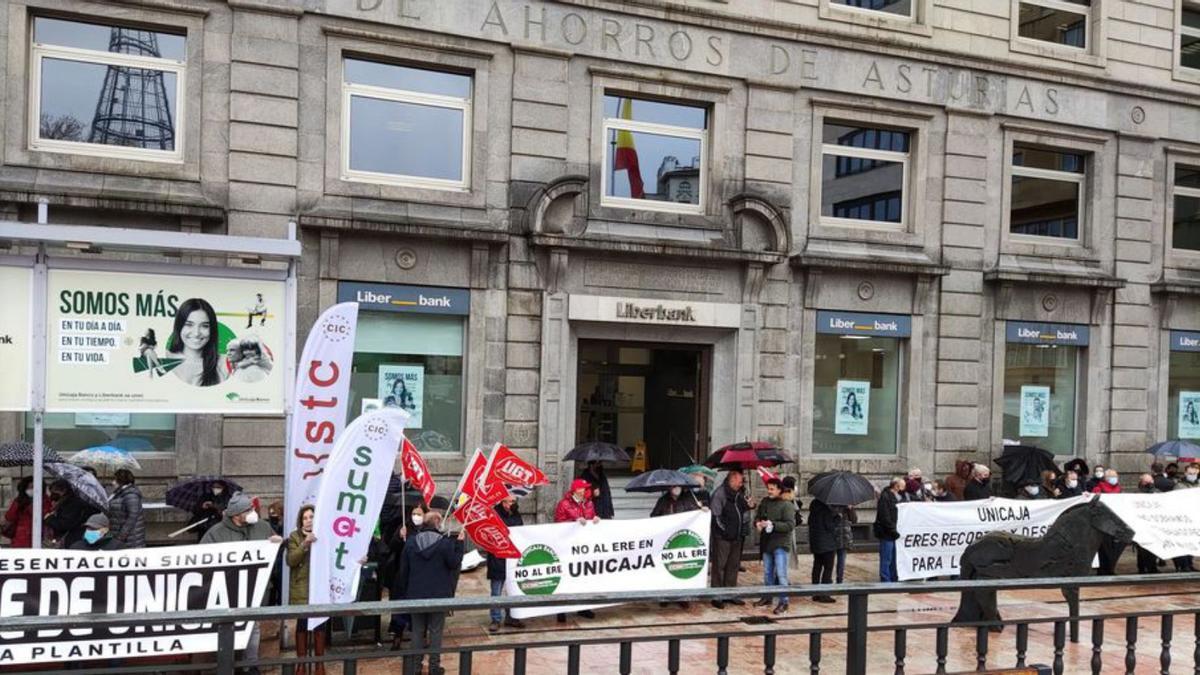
{"x": 657, "y": 394}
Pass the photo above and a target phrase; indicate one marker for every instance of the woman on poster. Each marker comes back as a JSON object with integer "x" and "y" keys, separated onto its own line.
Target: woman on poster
{"x": 195, "y": 337}
{"x": 147, "y": 346}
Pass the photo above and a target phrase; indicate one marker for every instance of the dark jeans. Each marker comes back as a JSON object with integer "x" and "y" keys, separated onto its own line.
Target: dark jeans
{"x": 841, "y": 564}
{"x": 427, "y": 634}
{"x": 726, "y": 556}
{"x": 822, "y": 567}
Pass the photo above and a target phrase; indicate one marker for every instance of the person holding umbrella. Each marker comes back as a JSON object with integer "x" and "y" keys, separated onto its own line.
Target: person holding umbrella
{"x": 18, "y": 520}
{"x": 823, "y": 536}
{"x": 69, "y": 514}
{"x": 844, "y": 519}
{"x": 728, "y": 505}
{"x": 601, "y": 494}
{"x": 210, "y": 507}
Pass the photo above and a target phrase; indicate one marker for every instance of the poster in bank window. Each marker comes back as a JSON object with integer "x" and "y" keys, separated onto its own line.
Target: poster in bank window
{"x": 1189, "y": 414}
{"x": 1035, "y": 412}
{"x": 58, "y": 583}
{"x": 16, "y": 331}
{"x": 853, "y": 407}
{"x": 403, "y": 387}
{"x": 124, "y": 342}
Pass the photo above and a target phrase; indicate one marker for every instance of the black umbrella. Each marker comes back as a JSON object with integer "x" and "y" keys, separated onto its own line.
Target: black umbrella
{"x": 596, "y": 451}
{"x": 660, "y": 480}
{"x": 1176, "y": 448}
{"x": 20, "y": 453}
{"x": 1023, "y": 463}
{"x": 841, "y": 488}
{"x": 188, "y": 494}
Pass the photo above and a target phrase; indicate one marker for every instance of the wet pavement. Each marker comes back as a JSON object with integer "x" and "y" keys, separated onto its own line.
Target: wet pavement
{"x": 887, "y": 613}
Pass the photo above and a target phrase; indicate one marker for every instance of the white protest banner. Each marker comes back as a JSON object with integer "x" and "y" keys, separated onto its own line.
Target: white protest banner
{"x": 649, "y": 554}
{"x": 16, "y": 336}
{"x": 933, "y": 535}
{"x": 1167, "y": 524}
{"x": 125, "y": 342}
{"x": 322, "y": 394}
{"x": 348, "y": 504}
{"x": 52, "y": 582}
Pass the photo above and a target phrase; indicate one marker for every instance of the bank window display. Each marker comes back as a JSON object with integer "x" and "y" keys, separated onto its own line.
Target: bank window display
{"x": 898, "y": 7}
{"x": 406, "y": 125}
{"x": 1042, "y": 366}
{"x": 858, "y": 383}
{"x": 415, "y": 362}
{"x": 1062, "y": 22}
{"x": 1189, "y": 36}
{"x": 131, "y": 432}
{"x": 1185, "y": 217}
{"x": 864, "y": 175}
{"x": 1183, "y": 386}
{"x": 654, "y": 154}
{"x": 1047, "y": 192}
{"x": 110, "y": 90}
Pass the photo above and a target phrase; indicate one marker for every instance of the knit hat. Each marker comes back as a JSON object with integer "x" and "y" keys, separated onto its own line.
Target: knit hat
{"x": 238, "y": 504}
{"x": 98, "y": 521}
{"x": 439, "y": 503}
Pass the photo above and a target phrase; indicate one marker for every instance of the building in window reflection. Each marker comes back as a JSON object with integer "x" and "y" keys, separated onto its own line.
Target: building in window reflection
{"x": 678, "y": 182}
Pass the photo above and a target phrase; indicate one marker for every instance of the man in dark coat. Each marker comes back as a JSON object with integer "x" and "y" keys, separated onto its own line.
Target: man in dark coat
{"x": 823, "y": 542}
{"x": 69, "y": 514}
{"x": 728, "y": 505}
{"x": 980, "y": 486}
{"x": 886, "y": 517}
{"x": 674, "y": 501}
{"x": 429, "y": 569}
{"x": 210, "y": 507}
{"x": 601, "y": 494}
{"x": 125, "y": 511}
{"x": 96, "y": 536}
{"x": 1162, "y": 483}
{"x": 497, "y": 567}
{"x": 1069, "y": 486}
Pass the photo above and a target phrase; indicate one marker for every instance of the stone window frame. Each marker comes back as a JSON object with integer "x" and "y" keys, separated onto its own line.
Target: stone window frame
{"x": 1094, "y": 54}
{"x": 919, "y": 124}
{"x": 1093, "y": 222}
{"x": 1178, "y": 70}
{"x": 20, "y": 101}
{"x": 718, "y": 145}
{"x": 429, "y": 56}
{"x": 1177, "y": 258}
{"x": 916, "y": 24}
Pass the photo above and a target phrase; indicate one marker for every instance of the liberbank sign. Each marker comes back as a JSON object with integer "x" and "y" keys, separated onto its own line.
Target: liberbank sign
{"x": 648, "y": 311}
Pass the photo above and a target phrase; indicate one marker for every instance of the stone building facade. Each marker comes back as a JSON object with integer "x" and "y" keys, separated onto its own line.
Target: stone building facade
{"x": 880, "y": 233}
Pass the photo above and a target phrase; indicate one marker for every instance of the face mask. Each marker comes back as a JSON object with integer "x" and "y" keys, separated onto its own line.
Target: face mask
{"x": 1072, "y": 483}
{"x": 1032, "y": 489}
{"x": 676, "y": 491}
{"x": 252, "y": 518}
{"x": 1099, "y": 474}
{"x": 217, "y": 491}
{"x": 1191, "y": 477}
{"x": 929, "y": 487}
{"x": 418, "y": 520}
{"x": 92, "y": 536}
{"x": 29, "y": 493}
{"x": 1112, "y": 480}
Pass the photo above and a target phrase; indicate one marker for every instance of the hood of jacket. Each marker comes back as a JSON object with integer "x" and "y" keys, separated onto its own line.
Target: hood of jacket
{"x": 426, "y": 542}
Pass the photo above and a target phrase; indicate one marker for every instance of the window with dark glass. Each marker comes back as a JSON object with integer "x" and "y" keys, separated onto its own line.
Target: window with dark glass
{"x": 1185, "y": 228}
{"x": 1063, "y": 22}
{"x": 901, "y": 7}
{"x": 106, "y": 89}
{"x": 1047, "y": 192}
{"x": 1189, "y": 36}
{"x": 406, "y": 125}
{"x": 654, "y": 152}
{"x": 864, "y": 173}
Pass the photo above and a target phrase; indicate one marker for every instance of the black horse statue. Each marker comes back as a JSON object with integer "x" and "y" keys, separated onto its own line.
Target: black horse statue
{"x": 1066, "y": 550}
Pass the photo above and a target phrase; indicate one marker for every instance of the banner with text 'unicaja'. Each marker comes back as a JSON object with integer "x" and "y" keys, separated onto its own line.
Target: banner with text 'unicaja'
{"x": 321, "y": 396}
{"x": 352, "y": 493}
{"x": 667, "y": 553}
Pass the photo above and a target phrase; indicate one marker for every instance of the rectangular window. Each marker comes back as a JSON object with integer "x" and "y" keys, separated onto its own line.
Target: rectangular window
{"x": 1183, "y": 386}
{"x": 412, "y": 361}
{"x": 106, "y": 90}
{"x": 856, "y": 394}
{"x": 406, "y": 125}
{"x": 654, "y": 154}
{"x": 1189, "y": 37}
{"x": 133, "y": 432}
{"x": 900, "y": 7}
{"x": 864, "y": 174}
{"x": 1185, "y": 228}
{"x": 1047, "y": 192}
{"x": 1042, "y": 366}
{"x": 1063, "y": 22}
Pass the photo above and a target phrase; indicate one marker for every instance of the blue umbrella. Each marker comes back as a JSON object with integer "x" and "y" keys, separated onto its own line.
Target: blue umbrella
{"x": 1175, "y": 448}
{"x": 106, "y": 457}
{"x": 132, "y": 443}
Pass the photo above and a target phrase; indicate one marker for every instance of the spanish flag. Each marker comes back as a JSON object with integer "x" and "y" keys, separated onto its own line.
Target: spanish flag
{"x": 625, "y": 155}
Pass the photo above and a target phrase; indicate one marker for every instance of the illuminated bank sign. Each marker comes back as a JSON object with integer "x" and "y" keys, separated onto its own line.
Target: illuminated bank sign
{"x": 1037, "y": 333}
{"x": 398, "y": 298}
{"x": 859, "y": 323}
{"x": 1185, "y": 341}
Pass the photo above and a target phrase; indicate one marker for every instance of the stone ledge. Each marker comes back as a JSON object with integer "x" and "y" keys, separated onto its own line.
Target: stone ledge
{"x": 655, "y": 248}
{"x": 1051, "y": 271}
{"x": 845, "y": 255}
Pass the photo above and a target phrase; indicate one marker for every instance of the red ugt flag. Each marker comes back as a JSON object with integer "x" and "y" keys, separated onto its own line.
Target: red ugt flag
{"x": 473, "y": 488}
{"x": 507, "y": 468}
{"x": 416, "y": 471}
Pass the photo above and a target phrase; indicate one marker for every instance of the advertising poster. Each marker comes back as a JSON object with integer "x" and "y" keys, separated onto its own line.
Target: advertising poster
{"x": 853, "y": 408}
{"x": 16, "y": 334}
{"x": 403, "y": 387}
{"x": 124, "y": 342}
{"x": 1035, "y": 411}
{"x": 650, "y": 554}
{"x": 52, "y": 582}
{"x": 1189, "y": 414}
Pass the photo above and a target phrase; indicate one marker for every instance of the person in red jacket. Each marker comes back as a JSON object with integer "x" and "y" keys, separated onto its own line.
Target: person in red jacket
{"x": 18, "y": 520}
{"x": 1110, "y": 549}
{"x": 576, "y": 505}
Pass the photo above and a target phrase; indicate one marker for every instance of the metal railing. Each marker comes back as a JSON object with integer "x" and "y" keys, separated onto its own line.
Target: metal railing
{"x": 856, "y": 629}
